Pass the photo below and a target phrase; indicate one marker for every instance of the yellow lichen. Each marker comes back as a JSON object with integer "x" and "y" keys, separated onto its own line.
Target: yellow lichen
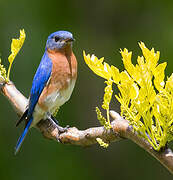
{"x": 102, "y": 119}
{"x": 102, "y": 143}
{"x": 3, "y": 73}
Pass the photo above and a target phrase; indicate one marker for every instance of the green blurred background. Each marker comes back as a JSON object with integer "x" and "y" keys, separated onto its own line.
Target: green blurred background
{"x": 99, "y": 27}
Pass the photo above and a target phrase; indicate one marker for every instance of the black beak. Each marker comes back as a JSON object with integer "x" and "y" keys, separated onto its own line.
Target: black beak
{"x": 70, "y": 40}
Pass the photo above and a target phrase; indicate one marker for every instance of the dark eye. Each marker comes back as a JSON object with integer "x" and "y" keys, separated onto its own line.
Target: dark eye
{"x": 57, "y": 38}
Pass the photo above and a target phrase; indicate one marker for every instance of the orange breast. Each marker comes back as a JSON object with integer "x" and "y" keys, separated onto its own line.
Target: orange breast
{"x": 64, "y": 70}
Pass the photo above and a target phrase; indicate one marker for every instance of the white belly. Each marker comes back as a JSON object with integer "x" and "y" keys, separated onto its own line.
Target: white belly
{"x": 53, "y": 101}
{"x": 58, "y": 98}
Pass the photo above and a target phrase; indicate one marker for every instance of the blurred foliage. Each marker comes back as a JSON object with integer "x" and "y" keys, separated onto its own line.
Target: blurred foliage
{"x": 101, "y": 27}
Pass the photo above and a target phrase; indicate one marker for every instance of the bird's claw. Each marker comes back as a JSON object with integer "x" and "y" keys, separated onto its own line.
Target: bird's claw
{"x": 60, "y": 129}
{"x": 54, "y": 119}
{"x": 63, "y": 130}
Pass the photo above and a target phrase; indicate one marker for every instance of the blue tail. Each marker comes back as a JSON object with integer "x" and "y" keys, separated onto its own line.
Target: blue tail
{"x": 22, "y": 137}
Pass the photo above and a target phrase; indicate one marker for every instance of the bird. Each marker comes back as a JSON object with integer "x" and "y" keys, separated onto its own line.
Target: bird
{"x": 53, "y": 82}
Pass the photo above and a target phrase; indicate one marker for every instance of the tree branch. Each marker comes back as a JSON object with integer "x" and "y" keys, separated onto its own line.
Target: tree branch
{"x": 120, "y": 129}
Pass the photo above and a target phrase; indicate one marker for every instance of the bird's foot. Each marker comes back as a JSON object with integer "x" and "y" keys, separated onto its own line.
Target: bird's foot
{"x": 60, "y": 129}
{"x": 63, "y": 130}
{"x": 54, "y": 120}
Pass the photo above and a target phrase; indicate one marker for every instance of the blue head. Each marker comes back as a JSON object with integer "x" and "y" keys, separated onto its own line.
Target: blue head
{"x": 59, "y": 40}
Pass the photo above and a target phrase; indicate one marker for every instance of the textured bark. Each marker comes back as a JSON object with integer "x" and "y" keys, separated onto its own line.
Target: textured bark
{"x": 120, "y": 129}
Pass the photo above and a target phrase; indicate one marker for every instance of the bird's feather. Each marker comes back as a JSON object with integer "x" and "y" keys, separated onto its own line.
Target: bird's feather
{"x": 53, "y": 82}
{"x": 22, "y": 117}
{"x": 22, "y": 137}
{"x": 40, "y": 80}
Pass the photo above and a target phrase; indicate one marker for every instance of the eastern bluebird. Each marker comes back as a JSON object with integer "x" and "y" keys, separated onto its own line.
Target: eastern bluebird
{"x": 53, "y": 82}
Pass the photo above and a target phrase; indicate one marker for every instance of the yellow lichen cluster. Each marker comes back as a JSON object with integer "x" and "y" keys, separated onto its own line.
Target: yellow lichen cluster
{"x": 15, "y": 48}
{"x": 102, "y": 143}
{"x": 105, "y": 71}
{"x": 146, "y": 99}
{"x": 102, "y": 119}
{"x": 2, "y": 73}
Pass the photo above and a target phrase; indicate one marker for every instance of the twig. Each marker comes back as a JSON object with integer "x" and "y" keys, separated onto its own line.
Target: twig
{"x": 120, "y": 129}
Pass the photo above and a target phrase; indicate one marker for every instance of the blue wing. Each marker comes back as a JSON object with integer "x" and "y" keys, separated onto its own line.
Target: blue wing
{"x": 40, "y": 79}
